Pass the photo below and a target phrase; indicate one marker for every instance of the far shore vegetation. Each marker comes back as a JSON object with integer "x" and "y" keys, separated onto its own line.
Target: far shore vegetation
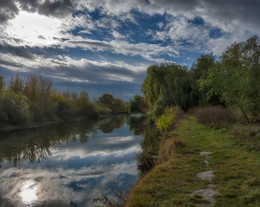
{"x": 35, "y": 102}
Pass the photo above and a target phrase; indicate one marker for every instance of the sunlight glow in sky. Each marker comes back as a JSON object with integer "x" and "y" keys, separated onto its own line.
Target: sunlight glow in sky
{"x": 34, "y": 29}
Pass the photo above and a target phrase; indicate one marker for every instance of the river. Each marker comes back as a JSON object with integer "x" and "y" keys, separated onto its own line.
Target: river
{"x": 70, "y": 164}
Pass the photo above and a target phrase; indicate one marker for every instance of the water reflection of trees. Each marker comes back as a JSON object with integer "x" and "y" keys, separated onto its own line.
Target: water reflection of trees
{"x": 150, "y": 144}
{"x": 136, "y": 124}
{"x": 114, "y": 122}
{"x": 34, "y": 145}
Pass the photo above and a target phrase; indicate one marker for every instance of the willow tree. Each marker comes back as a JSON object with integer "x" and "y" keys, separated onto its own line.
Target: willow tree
{"x": 167, "y": 85}
{"x": 154, "y": 83}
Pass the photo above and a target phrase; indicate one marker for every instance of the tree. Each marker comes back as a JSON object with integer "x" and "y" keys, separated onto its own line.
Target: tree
{"x": 235, "y": 79}
{"x": 154, "y": 83}
{"x": 85, "y": 107}
{"x": 65, "y": 108}
{"x": 106, "y": 99}
{"x": 119, "y": 106}
{"x": 199, "y": 71}
{"x": 138, "y": 105}
{"x": 38, "y": 91}
{"x": 14, "y": 108}
{"x": 116, "y": 105}
{"x": 16, "y": 84}
{"x": 2, "y": 83}
{"x": 167, "y": 85}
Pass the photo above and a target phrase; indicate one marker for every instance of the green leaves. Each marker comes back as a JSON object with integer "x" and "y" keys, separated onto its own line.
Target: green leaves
{"x": 165, "y": 122}
{"x": 116, "y": 105}
{"x": 235, "y": 79}
{"x": 167, "y": 85}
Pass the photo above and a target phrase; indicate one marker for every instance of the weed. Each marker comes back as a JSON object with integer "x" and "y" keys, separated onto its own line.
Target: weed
{"x": 252, "y": 196}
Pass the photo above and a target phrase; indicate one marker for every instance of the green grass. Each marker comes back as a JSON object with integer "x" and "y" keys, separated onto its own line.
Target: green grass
{"x": 237, "y": 171}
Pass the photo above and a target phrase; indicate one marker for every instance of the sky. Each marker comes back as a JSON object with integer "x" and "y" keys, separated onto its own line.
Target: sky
{"x": 105, "y": 46}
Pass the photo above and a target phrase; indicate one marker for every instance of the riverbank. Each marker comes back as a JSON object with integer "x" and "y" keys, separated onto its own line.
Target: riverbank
{"x": 9, "y": 128}
{"x": 200, "y": 166}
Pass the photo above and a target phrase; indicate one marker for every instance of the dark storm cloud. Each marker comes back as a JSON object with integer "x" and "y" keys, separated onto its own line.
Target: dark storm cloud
{"x": 8, "y": 10}
{"x": 58, "y": 8}
{"x": 17, "y": 51}
{"x": 176, "y": 4}
{"x": 29, "y": 5}
{"x": 247, "y": 11}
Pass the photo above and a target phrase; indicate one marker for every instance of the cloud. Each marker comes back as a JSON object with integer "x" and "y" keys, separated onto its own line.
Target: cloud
{"x": 58, "y": 8}
{"x": 92, "y": 45}
{"x": 8, "y": 10}
{"x": 17, "y": 51}
{"x": 78, "y": 70}
{"x": 245, "y": 12}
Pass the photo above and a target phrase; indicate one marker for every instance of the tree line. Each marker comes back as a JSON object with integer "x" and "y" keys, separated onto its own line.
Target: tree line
{"x": 35, "y": 100}
{"x": 232, "y": 80}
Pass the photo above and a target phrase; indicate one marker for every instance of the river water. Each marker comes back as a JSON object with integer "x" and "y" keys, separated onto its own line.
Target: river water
{"x": 69, "y": 164}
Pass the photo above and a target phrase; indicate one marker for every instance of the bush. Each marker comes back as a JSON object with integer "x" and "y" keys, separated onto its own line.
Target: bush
{"x": 216, "y": 116}
{"x": 65, "y": 109}
{"x": 14, "y": 108}
{"x": 146, "y": 160}
{"x": 165, "y": 122}
{"x": 85, "y": 107}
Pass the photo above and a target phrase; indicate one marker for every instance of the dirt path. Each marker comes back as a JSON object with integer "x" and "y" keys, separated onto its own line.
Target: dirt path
{"x": 207, "y": 193}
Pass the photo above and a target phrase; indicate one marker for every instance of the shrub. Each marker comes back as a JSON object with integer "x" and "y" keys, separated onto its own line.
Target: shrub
{"x": 215, "y": 116}
{"x": 14, "y": 108}
{"x": 85, "y": 107}
{"x": 65, "y": 109}
{"x": 145, "y": 160}
{"x": 165, "y": 122}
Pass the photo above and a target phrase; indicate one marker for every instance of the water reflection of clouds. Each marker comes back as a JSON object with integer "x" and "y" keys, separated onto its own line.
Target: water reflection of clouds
{"x": 79, "y": 186}
{"x": 74, "y": 173}
{"x": 75, "y": 154}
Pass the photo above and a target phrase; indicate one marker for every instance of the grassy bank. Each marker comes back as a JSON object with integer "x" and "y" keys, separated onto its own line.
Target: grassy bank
{"x": 171, "y": 182}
